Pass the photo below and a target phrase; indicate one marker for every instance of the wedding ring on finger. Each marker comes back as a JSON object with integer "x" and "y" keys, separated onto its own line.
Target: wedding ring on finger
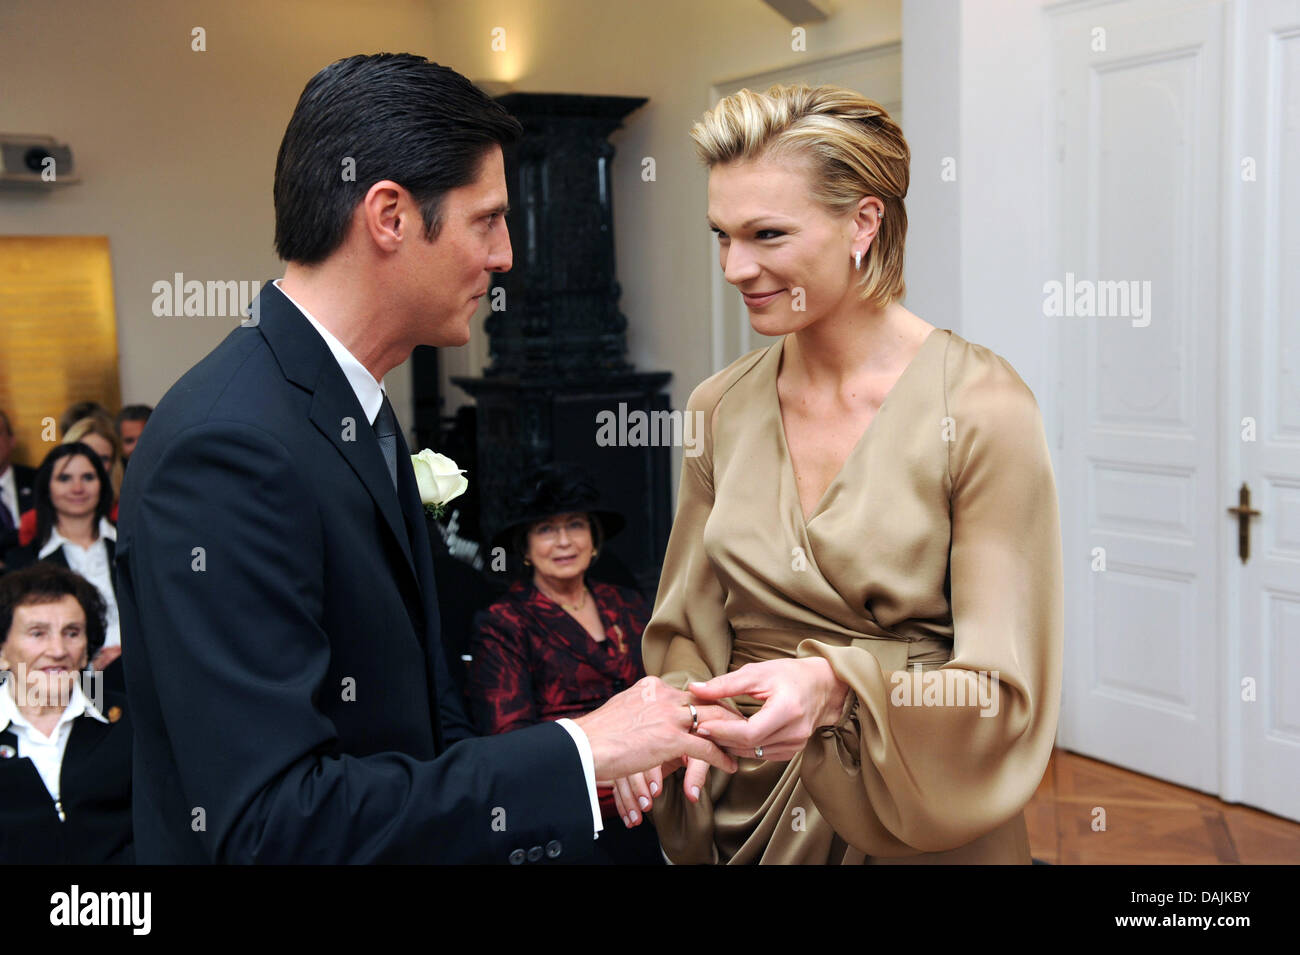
{"x": 758, "y": 752}
{"x": 695, "y": 717}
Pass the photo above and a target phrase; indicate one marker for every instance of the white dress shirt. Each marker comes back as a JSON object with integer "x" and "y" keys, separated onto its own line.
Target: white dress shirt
{"x": 9, "y": 493}
{"x": 45, "y": 752}
{"x": 370, "y": 394}
{"x": 92, "y": 563}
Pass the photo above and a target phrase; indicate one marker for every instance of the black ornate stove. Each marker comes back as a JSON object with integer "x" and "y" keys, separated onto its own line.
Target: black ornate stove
{"x": 558, "y": 345}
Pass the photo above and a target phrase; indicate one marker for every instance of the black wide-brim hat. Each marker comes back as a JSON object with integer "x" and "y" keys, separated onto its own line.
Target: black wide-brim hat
{"x": 559, "y": 488}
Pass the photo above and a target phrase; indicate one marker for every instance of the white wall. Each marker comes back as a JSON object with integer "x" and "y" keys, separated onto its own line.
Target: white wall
{"x": 177, "y": 148}
{"x": 977, "y": 87}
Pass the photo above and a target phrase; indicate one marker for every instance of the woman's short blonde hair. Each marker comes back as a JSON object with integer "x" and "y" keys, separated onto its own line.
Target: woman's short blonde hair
{"x": 854, "y": 150}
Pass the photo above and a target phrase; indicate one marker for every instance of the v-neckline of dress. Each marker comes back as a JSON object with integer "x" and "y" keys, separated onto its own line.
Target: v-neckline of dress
{"x": 788, "y": 460}
{"x": 576, "y": 624}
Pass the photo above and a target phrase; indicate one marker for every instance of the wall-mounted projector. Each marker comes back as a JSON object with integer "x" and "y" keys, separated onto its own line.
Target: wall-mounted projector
{"x": 35, "y": 161}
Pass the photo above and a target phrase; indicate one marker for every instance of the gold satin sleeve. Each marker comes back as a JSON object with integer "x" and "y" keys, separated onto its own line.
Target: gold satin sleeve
{"x": 903, "y": 774}
{"x": 690, "y": 601}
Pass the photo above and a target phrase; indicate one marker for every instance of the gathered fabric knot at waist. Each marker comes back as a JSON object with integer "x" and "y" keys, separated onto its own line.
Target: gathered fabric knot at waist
{"x": 759, "y": 644}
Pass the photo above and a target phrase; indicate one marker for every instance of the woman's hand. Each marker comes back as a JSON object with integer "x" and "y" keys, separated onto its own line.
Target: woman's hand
{"x": 798, "y": 696}
{"x": 634, "y": 795}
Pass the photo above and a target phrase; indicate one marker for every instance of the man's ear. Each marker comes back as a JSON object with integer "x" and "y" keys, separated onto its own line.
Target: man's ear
{"x": 385, "y": 214}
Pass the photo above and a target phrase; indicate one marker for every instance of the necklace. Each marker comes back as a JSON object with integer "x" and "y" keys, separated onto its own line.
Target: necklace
{"x": 572, "y": 608}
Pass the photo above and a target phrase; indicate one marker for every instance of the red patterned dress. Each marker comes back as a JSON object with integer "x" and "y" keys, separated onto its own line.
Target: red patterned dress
{"x": 533, "y": 662}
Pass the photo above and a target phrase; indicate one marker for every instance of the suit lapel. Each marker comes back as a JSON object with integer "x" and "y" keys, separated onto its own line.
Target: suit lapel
{"x": 418, "y": 528}
{"x": 418, "y": 525}
{"x": 332, "y": 409}
{"x": 306, "y": 361}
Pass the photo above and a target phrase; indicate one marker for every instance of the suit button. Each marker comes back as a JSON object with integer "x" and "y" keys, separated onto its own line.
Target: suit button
{"x": 534, "y": 853}
{"x": 552, "y": 848}
{"x": 517, "y": 857}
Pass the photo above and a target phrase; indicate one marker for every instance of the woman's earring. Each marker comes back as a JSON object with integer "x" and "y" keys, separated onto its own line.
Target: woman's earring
{"x": 857, "y": 260}
{"x": 527, "y": 562}
{"x": 594, "y": 552}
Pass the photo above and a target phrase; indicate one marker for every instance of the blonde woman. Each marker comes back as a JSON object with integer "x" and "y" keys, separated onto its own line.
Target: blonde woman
{"x": 866, "y": 557}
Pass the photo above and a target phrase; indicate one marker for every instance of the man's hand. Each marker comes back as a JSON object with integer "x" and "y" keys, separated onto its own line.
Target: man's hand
{"x": 634, "y": 795}
{"x": 798, "y": 696}
{"x": 644, "y": 727}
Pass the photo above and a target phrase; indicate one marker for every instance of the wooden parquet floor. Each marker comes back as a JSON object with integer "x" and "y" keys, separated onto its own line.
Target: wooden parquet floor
{"x": 1146, "y": 821}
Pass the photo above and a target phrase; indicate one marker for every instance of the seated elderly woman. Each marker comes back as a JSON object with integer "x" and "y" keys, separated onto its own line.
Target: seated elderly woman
{"x": 65, "y": 750}
{"x": 73, "y": 498}
{"x": 560, "y": 644}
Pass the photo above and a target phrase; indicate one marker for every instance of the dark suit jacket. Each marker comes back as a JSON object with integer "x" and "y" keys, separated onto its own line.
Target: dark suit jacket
{"x": 26, "y": 556}
{"x": 24, "y": 484}
{"x": 94, "y": 788}
{"x": 280, "y": 633}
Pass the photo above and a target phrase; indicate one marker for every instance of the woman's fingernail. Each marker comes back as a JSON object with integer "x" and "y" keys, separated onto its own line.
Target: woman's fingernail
{"x": 626, "y": 823}
{"x": 696, "y": 683}
{"x": 701, "y": 732}
{"x": 645, "y": 803}
{"x": 695, "y": 791}
{"x": 633, "y": 816}
{"x": 654, "y": 789}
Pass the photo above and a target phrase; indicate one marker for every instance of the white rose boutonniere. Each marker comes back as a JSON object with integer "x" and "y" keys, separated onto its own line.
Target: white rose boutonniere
{"x": 439, "y": 479}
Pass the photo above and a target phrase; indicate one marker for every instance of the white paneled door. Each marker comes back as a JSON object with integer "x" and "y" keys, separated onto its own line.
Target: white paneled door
{"x": 1265, "y": 191}
{"x": 1178, "y": 311}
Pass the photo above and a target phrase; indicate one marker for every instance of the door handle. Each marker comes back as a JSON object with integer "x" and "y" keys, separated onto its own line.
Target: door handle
{"x": 1244, "y": 512}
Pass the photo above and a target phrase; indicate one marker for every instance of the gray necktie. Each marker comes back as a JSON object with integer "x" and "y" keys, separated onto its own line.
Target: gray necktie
{"x": 386, "y": 431}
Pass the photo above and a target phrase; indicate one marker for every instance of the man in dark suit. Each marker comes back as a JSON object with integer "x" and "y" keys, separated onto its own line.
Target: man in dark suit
{"x": 280, "y": 626}
{"x": 16, "y": 483}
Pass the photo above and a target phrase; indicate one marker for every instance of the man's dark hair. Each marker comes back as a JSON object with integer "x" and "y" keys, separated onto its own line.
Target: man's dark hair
{"x": 132, "y": 413}
{"x": 394, "y": 116}
{"x": 46, "y": 517}
{"x": 49, "y": 583}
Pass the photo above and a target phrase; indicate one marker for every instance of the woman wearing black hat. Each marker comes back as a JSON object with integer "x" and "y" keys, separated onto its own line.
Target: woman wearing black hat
{"x": 558, "y": 644}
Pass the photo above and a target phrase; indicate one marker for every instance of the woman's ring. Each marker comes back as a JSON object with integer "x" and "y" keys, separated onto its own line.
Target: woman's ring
{"x": 758, "y": 751}
{"x": 695, "y": 717}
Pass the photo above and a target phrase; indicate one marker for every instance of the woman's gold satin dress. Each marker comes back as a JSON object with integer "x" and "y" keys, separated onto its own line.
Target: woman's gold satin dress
{"x": 936, "y": 547}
